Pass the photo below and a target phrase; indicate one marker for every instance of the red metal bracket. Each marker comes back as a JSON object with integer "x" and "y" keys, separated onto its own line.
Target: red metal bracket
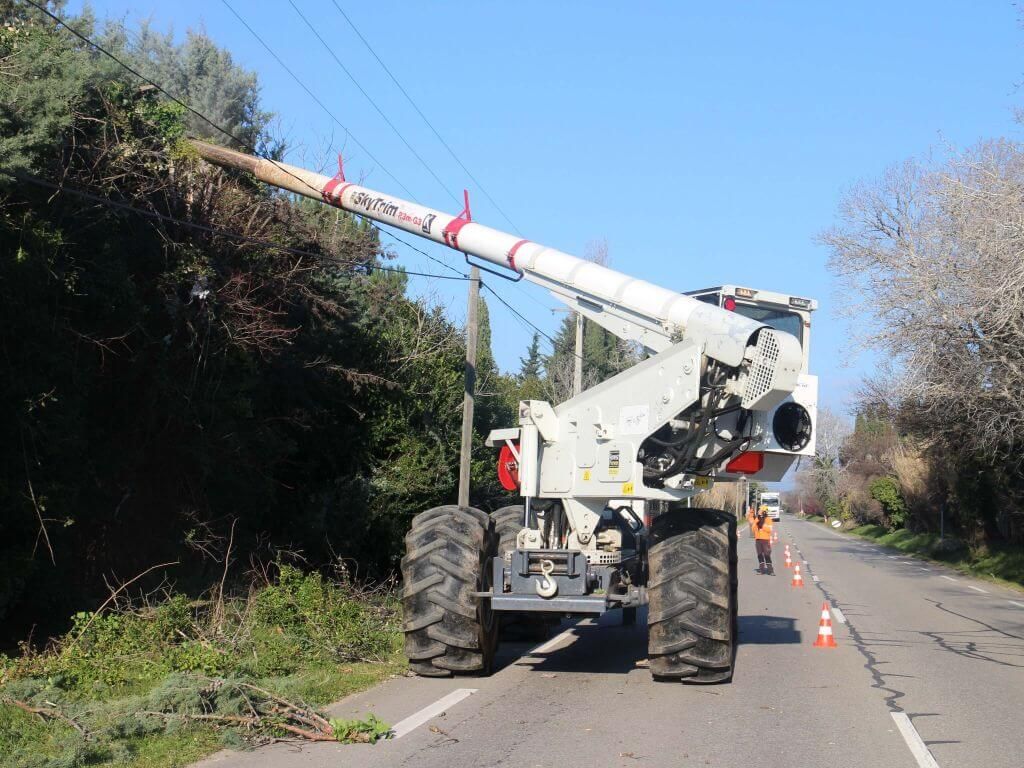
{"x": 331, "y": 192}
{"x": 451, "y": 232}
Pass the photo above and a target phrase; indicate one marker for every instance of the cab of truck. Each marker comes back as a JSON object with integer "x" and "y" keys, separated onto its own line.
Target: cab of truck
{"x": 781, "y": 311}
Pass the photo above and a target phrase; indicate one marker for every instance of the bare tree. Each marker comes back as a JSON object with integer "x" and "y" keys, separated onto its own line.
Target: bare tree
{"x": 821, "y": 479}
{"x": 929, "y": 257}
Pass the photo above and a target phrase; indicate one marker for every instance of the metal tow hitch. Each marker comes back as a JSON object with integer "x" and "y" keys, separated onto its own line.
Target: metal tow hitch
{"x": 547, "y": 587}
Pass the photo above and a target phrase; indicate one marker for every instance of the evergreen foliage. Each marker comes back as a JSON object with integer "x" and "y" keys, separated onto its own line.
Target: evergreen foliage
{"x": 530, "y": 367}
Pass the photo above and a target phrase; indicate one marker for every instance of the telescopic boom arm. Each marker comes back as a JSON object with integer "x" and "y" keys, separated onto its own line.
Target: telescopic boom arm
{"x": 632, "y": 309}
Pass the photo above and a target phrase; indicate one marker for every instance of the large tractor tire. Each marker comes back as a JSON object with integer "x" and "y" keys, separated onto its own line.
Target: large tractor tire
{"x": 692, "y": 596}
{"x": 448, "y": 628}
{"x": 508, "y": 522}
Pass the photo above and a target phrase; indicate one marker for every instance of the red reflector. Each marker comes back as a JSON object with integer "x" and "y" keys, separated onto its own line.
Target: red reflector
{"x": 508, "y": 468}
{"x": 729, "y": 303}
{"x": 748, "y": 463}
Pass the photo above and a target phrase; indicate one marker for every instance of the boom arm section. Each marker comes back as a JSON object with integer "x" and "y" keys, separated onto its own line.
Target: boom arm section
{"x": 630, "y": 308}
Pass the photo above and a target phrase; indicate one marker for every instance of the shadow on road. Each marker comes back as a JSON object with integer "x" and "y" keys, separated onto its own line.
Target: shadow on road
{"x": 605, "y": 647}
{"x": 768, "y": 630}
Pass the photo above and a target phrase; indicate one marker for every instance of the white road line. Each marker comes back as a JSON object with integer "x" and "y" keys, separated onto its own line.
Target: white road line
{"x": 815, "y": 578}
{"x": 894, "y": 557}
{"x": 552, "y": 643}
{"x": 417, "y": 719}
{"x": 1014, "y": 602}
{"x": 948, "y": 578}
{"x": 977, "y": 589}
{"x": 924, "y": 569}
{"x": 914, "y": 741}
{"x": 839, "y": 615}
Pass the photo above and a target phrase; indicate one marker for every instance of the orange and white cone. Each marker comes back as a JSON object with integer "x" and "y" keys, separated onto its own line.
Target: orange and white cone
{"x": 825, "y": 637}
{"x": 789, "y": 559}
{"x": 798, "y": 580}
{"x": 775, "y": 536}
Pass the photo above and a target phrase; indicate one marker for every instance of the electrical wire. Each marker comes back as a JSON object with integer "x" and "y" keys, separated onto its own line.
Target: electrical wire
{"x": 430, "y": 125}
{"x": 514, "y": 311}
{"x": 313, "y": 96}
{"x": 203, "y": 227}
{"x": 424, "y": 117}
{"x": 369, "y": 98}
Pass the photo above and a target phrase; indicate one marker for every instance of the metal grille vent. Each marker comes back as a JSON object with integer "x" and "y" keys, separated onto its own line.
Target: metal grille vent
{"x": 603, "y": 558}
{"x": 761, "y": 375}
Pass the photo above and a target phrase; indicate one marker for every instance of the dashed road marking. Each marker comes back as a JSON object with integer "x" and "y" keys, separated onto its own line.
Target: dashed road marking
{"x": 815, "y": 578}
{"x": 1014, "y": 602}
{"x": 553, "y": 643}
{"x": 948, "y": 578}
{"x": 415, "y": 720}
{"x": 838, "y": 614}
{"x": 894, "y": 557}
{"x": 924, "y": 569}
{"x": 977, "y": 589}
{"x": 914, "y": 741}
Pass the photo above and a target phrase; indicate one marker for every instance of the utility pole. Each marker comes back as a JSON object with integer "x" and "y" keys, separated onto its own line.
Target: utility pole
{"x": 577, "y": 368}
{"x": 577, "y": 371}
{"x": 472, "y": 331}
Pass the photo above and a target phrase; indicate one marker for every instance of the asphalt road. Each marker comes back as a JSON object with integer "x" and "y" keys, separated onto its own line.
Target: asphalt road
{"x": 930, "y": 667}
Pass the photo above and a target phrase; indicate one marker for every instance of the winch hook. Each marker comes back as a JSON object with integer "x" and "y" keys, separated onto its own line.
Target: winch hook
{"x": 547, "y": 587}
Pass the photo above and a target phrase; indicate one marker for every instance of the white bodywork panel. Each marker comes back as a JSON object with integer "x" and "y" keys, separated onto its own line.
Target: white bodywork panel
{"x": 590, "y": 450}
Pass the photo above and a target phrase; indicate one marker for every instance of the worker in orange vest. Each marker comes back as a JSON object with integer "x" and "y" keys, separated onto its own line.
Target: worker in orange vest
{"x": 761, "y": 528}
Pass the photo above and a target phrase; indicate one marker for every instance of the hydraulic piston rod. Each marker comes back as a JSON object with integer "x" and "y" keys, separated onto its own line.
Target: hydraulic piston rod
{"x": 646, "y": 312}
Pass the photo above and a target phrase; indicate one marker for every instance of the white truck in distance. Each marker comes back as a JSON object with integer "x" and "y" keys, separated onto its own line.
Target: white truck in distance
{"x": 770, "y": 499}
{"x": 605, "y": 477}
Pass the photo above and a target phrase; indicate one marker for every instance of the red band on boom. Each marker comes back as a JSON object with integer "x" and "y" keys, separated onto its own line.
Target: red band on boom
{"x": 451, "y": 232}
{"x": 512, "y": 254}
{"x": 331, "y": 188}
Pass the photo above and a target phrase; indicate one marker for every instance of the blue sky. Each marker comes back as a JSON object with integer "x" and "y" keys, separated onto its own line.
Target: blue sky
{"x": 705, "y": 143}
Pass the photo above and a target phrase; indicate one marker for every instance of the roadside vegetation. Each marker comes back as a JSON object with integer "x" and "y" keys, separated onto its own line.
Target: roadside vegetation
{"x": 165, "y": 680}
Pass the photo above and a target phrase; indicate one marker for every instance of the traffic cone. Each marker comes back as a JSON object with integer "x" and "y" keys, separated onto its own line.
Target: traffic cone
{"x": 798, "y": 580}
{"x": 789, "y": 560}
{"x": 825, "y": 637}
{"x": 775, "y": 536}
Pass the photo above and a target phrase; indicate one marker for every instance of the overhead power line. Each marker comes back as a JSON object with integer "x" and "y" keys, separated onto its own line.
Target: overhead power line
{"x": 514, "y": 311}
{"x": 424, "y": 117}
{"x": 369, "y": 98}
{"x": 314, "y": 97}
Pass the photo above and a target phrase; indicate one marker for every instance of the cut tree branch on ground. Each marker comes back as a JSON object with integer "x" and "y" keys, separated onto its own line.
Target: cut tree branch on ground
{"x": 47, "y": 714}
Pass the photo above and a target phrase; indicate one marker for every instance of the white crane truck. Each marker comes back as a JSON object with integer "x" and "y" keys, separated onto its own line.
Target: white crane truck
{"x": 724, "y": 392}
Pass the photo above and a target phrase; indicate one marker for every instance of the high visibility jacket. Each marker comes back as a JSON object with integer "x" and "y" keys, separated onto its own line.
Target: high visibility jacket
{"x": 761, "y": 532}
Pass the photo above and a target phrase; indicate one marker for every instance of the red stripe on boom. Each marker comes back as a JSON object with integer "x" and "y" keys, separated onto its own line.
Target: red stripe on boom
{"x": 451, "y": 232}
{"x": 331, "y": 190}
{"x": 334, "y": 189}
{"x": 512, "y": 254}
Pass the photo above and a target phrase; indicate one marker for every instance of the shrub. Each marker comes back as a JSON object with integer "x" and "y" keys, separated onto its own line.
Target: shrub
{"x": 886, "y": 491}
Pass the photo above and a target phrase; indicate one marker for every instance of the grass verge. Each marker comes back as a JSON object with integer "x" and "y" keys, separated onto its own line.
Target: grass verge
{"x": 1002, "y": 564}
{"x": 161, "y": 685}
